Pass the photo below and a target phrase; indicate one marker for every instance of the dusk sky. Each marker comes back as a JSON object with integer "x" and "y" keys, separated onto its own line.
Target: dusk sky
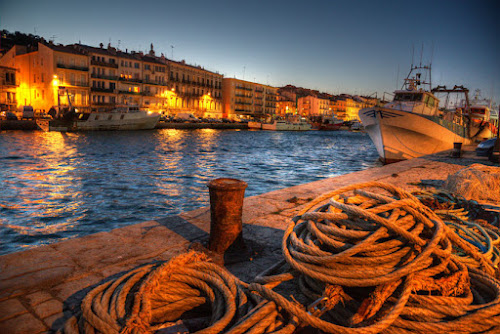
{"x": 356, "y": 47}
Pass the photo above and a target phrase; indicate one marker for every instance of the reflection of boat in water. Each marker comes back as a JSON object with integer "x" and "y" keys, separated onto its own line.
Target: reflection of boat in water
{"x": 122, "y": 118}
{"x": 412, "y": 125}
{"x": 287, "y": 125}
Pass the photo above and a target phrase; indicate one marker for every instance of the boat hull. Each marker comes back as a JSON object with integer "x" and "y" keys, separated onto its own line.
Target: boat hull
{"x": 254, "y": 125}
{"x": 103, "y": 122}
{"x": 401, "y": 135}
{"x": 278, "y": 126}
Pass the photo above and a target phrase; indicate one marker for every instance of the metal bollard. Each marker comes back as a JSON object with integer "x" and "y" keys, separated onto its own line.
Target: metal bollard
{"x": 457, "y": 150}
{"x": 226, "y": 208}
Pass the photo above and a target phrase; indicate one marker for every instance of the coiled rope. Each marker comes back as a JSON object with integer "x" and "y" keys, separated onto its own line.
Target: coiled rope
{"x": 380, "y": 261}
{"x": 368, "y": 258}
{"x": 156, "y": 296}
{"x": 476, "y": 242}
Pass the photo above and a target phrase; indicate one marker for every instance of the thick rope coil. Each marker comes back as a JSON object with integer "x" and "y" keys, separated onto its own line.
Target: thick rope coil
{"x": 391, "y": 257}
{"x": 370, "y": 258}
{"x": 156, "y": 296}
{"x": 477, "y": 244}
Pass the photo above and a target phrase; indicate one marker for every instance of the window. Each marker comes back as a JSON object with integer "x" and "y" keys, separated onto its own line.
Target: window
{"x": 43, "y": 78}
{"x": 136, "y": 65}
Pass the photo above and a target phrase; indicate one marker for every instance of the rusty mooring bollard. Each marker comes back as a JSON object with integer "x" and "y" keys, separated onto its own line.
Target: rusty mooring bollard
{"x": 457, "y": 150}
{"x": 226, "y": 207}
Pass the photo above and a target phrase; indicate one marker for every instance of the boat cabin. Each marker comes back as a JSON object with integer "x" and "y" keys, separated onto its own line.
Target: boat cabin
{"x": 417, "y": 101}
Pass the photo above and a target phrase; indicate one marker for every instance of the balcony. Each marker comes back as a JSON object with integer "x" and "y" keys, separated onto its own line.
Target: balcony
{"x": 72, "y": 67}
{"x": 128, "y": 92}
{"x": 104, "y": 104}
{"x": 151, "y": 82}
{"x": 244, "y": 88}
{"x": 105, "y": 77}
{"x": 102, "y": 90}
{"x": 130, "y": 79}
{"x": 148, "y": 94}
{"x": 103, "y": 64}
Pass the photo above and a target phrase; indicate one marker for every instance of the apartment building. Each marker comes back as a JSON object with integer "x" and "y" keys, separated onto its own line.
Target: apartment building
{"x": 155, "y": 83}
{"x": 8, "y": 88}
{"x": 338, "y": 106}
{"x": 286, "y": 107}
{"x": 194, "y": 89}
{"x": 313, "y": 106}
{"x": 244, "y": 99}
{"x": 49, "y": 74}
{"x": 98, "y": 78}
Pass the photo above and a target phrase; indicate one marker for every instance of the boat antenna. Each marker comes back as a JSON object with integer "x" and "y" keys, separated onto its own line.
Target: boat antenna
{"x": 430, "y": 64}
{"x": 421, "y": 53}
{"x": 412, "y": 54}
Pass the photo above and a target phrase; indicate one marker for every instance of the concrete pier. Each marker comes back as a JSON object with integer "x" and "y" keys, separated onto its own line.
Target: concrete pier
{"x": 40, "y": 288}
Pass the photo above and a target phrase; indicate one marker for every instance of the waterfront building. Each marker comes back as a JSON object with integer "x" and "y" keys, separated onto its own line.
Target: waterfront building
{"x": 313, "y": 106}
{"x": 8, "y": 87}
{"x": 121, "y": 78}
{"x": 194, "y": 89}
{"x": 338, "y": 106}
{"x": 103, "y": 76}
{"x": 286, "y": 106}
{"x": 49, "y": 74}
{"x": 247, "y": 100}
{"x": 354, "y": 104}
{"x": 155, "y": 82}
{"x": 98, "y": 78}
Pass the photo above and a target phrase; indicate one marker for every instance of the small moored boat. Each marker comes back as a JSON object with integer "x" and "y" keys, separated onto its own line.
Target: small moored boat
{"x": 121, "y": 118}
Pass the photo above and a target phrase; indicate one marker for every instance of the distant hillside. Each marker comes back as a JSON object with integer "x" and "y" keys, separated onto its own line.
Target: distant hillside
{"x": 9, "y": 39}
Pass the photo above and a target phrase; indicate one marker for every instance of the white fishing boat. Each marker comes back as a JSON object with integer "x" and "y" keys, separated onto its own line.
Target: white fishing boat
{"x": 287, "y": 125}
{"x": 413, "y": 125}
{"x": 121, "y": 118}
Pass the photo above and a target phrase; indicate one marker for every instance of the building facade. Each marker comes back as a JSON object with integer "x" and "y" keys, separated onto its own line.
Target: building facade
{"x": 8, "y": 88}
{"x": 194, "y": 89}
{"x": 313, "y": 106}
{"x": 98, "y": 78}
{"x": 247, "y": 100}
{"x": 285, "y": 107}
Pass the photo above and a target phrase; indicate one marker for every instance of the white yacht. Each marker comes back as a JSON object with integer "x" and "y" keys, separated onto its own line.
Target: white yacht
{"x": 121, "y": 118}
{"x": 412, "y": 125}
{"x": 286, "y": 125}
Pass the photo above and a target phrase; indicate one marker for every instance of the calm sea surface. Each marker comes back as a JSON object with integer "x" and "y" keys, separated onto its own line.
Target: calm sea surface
{"x": 55, "y": 186}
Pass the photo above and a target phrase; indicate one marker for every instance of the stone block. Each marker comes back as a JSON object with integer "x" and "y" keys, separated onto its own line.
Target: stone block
{"x": 25, "y": 323}
{"x": 41, "y": 266}
{"x": 11, "y": 308}
{"x": 72, "y": 292}
{"x": 37, "y": 297}
{"x": 48, "y": 308}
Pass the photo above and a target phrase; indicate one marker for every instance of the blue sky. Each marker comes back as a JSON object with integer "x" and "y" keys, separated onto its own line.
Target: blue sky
{"x": 357, "y": 47}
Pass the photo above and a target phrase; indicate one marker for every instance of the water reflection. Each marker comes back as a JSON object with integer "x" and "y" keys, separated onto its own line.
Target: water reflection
{"x": 57, "y": 186}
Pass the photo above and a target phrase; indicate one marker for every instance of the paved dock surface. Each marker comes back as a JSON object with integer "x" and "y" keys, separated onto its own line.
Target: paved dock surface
{"x": 40, "y": 288}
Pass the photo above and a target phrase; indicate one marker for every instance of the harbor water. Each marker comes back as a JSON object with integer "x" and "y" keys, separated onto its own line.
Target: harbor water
{"x": 56, "y": 186}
